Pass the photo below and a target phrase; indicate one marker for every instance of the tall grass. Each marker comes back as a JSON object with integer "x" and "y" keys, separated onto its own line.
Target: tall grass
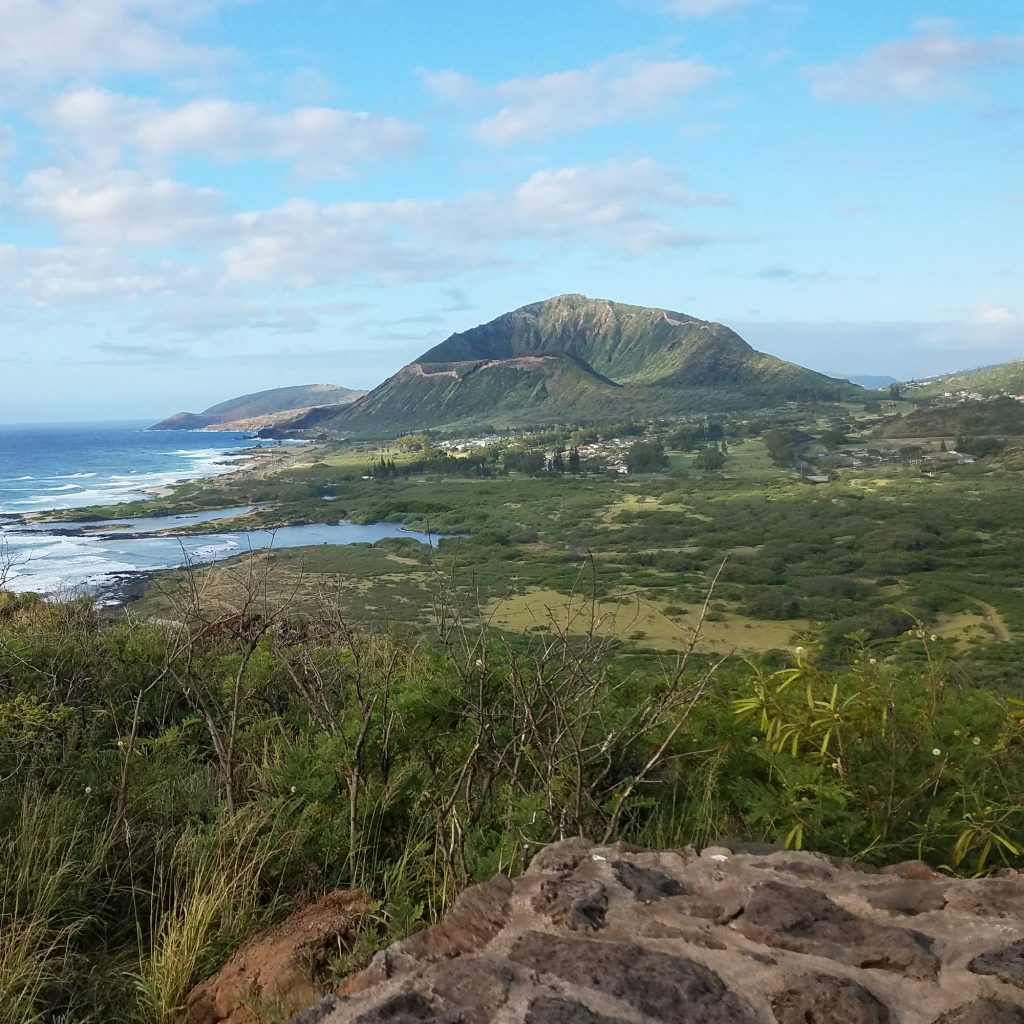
{"x": 49, "y": 858}
{"x": 211, "y": 895}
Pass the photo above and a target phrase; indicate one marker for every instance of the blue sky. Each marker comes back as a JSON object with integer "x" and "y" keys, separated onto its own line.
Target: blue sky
{"x": 200, "y": 198}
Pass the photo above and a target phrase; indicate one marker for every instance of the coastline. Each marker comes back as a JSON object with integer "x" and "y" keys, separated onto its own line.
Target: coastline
{"x": 36, "y": 530}
{"x": 245, "y": 461}
{"x": 253, "y": 462}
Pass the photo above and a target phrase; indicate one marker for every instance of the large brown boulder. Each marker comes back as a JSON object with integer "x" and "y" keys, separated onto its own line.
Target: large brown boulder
{"x": 278, "y": 967}
{"x": 744, "y": 935}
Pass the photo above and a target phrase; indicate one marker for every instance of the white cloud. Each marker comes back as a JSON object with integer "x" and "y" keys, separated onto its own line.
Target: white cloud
{"x": 47, "y": 40}
{"x": 702, "y": 8}
{"x": 320, "y": 142}
{"x": 620, "y": 207}
{"x": 123, "y": 207}
{"x": 619, "y": 200}
{"x": 932, "y": 65}
{"x": 126, "y": 235}
{"x": 997, "y": 316}
{"x": 57, "y": 276}
{"x": 620, "y": 88}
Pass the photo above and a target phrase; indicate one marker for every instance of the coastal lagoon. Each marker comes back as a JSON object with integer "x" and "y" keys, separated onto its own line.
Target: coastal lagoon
{"x": 67, "y": 466}
{"x": 56, "y": 560}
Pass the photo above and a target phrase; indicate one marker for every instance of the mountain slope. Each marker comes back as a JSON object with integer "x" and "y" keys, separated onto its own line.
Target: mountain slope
{"x": 1003, "y": 378}
{"x": 577, "y": 358}
{"x": 994, "y": 416}
{"x": 253, "y": 411}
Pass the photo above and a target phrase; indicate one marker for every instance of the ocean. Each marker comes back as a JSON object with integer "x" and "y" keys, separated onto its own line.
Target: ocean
{"x": 68, "y": 466}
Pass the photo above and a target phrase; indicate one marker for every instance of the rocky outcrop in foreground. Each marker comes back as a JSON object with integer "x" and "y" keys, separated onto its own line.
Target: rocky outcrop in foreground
{"x": 275, "y": 970}
{"x": 613, "y": 935}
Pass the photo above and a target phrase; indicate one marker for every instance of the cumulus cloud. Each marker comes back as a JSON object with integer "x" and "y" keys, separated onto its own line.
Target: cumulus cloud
{"x": 622, "y": 87}
{"x": 47, "y": 40}
{"x": 128, "y": 236}
{"x": 931, "y": 65}
{"x": 622, "y": 207}
{"x": 58, "y": 275}
{"x": 320, "y": 142}
{"x": 123, "y": 207}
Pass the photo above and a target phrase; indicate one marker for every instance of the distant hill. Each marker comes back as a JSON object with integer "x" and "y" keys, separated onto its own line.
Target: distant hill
{"x": 873, "y": 382}
{"x": 574, "y": 358}
{"x": 1002, "y": 378}
{"x": 1001, "y": 417}
{"x": 263, "y": 409}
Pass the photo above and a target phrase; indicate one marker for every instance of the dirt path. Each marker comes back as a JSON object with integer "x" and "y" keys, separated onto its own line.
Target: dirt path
{"x": 995, "y": 620}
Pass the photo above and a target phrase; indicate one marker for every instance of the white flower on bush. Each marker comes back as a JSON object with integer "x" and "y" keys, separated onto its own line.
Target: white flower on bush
{"x": 799, "y": 651}
{"x": 937, "y": 752}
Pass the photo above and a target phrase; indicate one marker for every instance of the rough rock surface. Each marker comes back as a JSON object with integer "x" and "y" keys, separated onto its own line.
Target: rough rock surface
{"x": 277, "y": 967}
{"x": 740, "y": 935}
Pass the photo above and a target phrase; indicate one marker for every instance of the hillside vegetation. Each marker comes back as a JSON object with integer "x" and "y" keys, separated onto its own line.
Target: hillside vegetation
{"x": 172, "y": 787}
{"x": 572, "y": 358}
{"x": 998, "y": 417}
{"x": 1004, "y": 378}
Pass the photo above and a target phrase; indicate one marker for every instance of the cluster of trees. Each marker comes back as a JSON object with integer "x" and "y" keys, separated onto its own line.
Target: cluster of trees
{"x": 712, "y": 457}
{"x": 436, "y": 460}
{"x": 691, "y": 436}
{"x": 535, "y": 462}
{"x": 785, "y": 444}
{"x": 980, "y": 447}
{"x": 646, "y": 457}
{"x": 531, "y": 458}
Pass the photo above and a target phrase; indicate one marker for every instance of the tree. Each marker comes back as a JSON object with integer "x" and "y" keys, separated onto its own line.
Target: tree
{"x": 557, "y": 463}
{"x": 646, "y": 457}
{"x": 574, "y": 461}
{"x": 834, "y": 437}
{"x": 979, "y": 447}
{"x": 412, "y": 443}
{"x": 710, "y": 459}
{"x": 520, "y": 461}
{"x": 783, "y": 444}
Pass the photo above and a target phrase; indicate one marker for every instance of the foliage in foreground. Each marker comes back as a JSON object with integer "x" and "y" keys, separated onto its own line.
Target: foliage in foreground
{"x": 169, "y": 788}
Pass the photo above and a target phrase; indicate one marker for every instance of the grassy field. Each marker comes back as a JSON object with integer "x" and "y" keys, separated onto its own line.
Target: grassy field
{"x": 882, "y": 549}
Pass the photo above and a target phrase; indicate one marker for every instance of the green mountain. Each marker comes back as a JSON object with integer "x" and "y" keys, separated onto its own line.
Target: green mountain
{"x": 574, "y": 358}
{"x": 250, "y": 412}
{"x": 1001, "y": 379}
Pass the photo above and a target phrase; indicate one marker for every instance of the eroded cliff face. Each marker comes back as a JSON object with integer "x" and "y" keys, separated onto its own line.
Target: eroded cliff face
{"x": 612, "y": 935}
